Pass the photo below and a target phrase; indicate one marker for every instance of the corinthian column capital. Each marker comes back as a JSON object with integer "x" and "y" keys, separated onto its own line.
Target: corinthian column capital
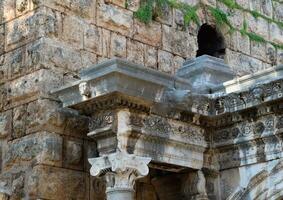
{"x": 120, "y": 170}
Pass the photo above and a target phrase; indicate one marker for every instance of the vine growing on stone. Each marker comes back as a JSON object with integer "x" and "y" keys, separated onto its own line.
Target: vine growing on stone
{"x": 150, "y": 9}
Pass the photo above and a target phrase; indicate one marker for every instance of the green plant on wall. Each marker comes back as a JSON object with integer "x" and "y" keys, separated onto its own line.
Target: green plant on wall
{"x": 150, "y": 9}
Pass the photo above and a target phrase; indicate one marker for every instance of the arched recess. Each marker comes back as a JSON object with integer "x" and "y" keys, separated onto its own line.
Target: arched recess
{"x": 210, "y": 42}
{"x": 265, "y": 185}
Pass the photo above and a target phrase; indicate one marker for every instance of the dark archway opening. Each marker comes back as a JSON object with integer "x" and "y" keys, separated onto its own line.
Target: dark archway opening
{"x": 210, "y": 42}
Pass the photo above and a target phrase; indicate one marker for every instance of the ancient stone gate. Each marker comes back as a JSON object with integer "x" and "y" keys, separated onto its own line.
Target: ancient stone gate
{"x": 96, "y": 102}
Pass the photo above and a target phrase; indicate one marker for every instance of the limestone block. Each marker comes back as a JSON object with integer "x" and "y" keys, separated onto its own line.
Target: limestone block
{"x": 9, "y": 7}
{"x": 88, "y": 59}
{"x": 150, "y": 57}
{"x": 271, "y": 54}
{"x": 277, "y": 33}
{"x": 19, "y": 121}
{"x": 2, "y": 39}
{"x": 166, "y": 16}
{"x": 118, "y": 45}
{"x": 31, "y": 26}
{"x": 48, "y": 53}
{"x": 73, "y": 31}
{"x": 177, "y": 63}
{"x": 40, "y": 81}
{"x": 258, "y": 50}
{"x": 257, "y": 25}
{"x": 3, "y": 69}
{"x": 93, "y": 39}
{"x": 22, "y": 6}
{"x": 5, "y": 124}
{"x": 243, "y": 43}
{"x": 279, "y": 56}
{"x": 165, "y": 62}
{"x": 243, "y": 64}
{"x": 255, "y": 5}
{"x": 236, "y": 18}
{"x": 97, "y": 189}
{"x": 148, "y": 33}
{"x": 14, "y": 61}
{"x": 12, "y": 185}
{"x": 57, "y": 120}
{"x": 73, "y": 154}
{"x": 120, "y": 3}
{"x": 75, "y": 124}
{"x": 38, "y": 112}
{"x": 278, "y": 11}
{"x": 47, "y": 182}
{"x": 133, "y": 5}
{"x": 243, "y": 3}
{"x": 3, "y": 96}
{"x": 240, "y": 42}
{"x": 135, "y": 51}
{"x": 266, "y": 8}
{"x": 178, "y": 17}
{"x": 179, "y": 42}
{"x": 39, "y": 148}
{"x": 115, "y": 18}
{"x": 83, "y": 8}
{"x": 106, "y": 38}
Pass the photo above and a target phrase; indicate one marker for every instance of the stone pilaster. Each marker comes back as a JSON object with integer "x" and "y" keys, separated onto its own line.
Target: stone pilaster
{"x": 195, "y": 186}
{"x": 120, "y": 171}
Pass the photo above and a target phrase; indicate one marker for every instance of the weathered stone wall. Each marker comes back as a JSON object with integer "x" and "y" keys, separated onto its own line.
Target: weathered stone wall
{"x": 43, "y": 44}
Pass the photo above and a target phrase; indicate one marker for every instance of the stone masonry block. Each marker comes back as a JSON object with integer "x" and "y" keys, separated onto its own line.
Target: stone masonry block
{"x": 118, "y": 45}
{"x": 47, "y": 182}
{"x": 31, "y": 26}
{"x": 19, "y": 121}
{"x": 258, "y": 50}
{"x": 2, "y": 39}
{"x": 73, "y": 153}
{"x": 150, "y": 57}
{"x": 73, "y": 31}
{"x": 242, "y": 64}
{"x": 9, "y": 6}
{"x": 277, "y": 33}
{"x": 120, "y": 3}
{"x": 179, "y": 42}
{"x": 165, "y": 62}
{"x": 5, "y": 123}
{"x": 38, "y": 112}
{"x": 41, "y": 81}
{"x": 93, "y": 39}
{"x": 148, "y": 33}
{"x": 266, "y": 8}
{"x": 115, "y": 18}
{"x": 278, "y": 11}
{"x": 135, "y": 51}
{"x": 257, "y": 25}
{"x": 22, "y": 6}
{"x": 39, "y": 148}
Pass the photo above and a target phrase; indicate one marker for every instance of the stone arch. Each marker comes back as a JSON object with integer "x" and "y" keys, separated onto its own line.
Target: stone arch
{"x": 264, "y": 185}
{"x": 210, "y": 42}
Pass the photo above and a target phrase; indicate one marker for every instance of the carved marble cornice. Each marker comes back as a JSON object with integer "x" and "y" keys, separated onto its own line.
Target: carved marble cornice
{"x": 153, "y": 113}
{"x": 118, "y": 83}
